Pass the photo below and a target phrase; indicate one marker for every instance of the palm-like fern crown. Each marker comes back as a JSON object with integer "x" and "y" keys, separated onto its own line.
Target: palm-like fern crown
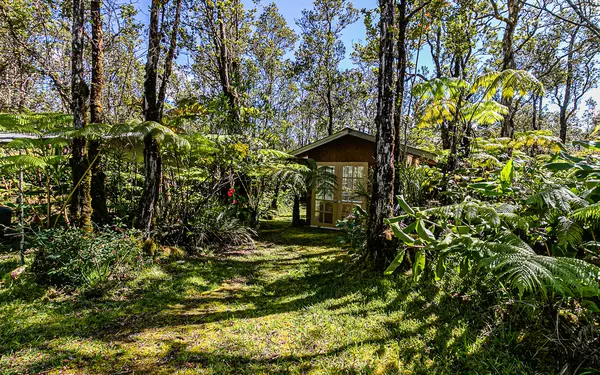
{"x": 449, "y": 99}
{"x": 34, "y": 123}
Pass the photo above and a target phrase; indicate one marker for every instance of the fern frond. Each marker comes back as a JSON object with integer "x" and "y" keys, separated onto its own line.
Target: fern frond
{"x": 513, "y": 260}
{"x": 275, "y": 154}
{"x": 568, "y": 232}
{"x": 33, "y": 123}
{"x": 510, "y": 82}
{"x": 556, "y": 197}
{"x": 23, "y": 161}
{"x": 488, "y": 112}
{"x": 587, "y": 214}
{"x": 472, "y": 212}
{"x": 91, "y": 131}
{"x": 514, "y": 221}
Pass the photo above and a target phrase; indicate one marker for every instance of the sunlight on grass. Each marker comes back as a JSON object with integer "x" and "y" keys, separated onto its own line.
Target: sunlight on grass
{"x": 292, "y": 305}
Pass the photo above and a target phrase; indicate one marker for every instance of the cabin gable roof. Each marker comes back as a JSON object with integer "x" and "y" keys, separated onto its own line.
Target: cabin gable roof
{"x": 355, "y": 133}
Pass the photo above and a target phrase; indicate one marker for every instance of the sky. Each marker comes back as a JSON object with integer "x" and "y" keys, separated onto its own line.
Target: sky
{"x": 292, "y": 10}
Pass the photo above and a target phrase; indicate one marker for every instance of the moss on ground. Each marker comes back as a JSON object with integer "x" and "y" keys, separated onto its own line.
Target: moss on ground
{"x": 295, "y": 304}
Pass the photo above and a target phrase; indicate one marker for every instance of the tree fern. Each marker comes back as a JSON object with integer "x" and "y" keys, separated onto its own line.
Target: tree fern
{"x": 511, "y": 259}
{"x": 468, "y": 212}
{"x": 589, "y": 214}
{"x": 568, "y": 232}
{"x": 556, "y": 197}
{"x": 33, "y": 123}
{"x": 509, "y": 82}
{"x": 158, "y": 131}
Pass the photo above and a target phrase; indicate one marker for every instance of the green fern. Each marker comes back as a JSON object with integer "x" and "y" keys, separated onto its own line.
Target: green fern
{"x": 568, "y": 232}
{"x": 468, "y": 212}
{"x": 556, "y": 197}
{"x": 33, "y": 123}
{"x": 510, "y": 82}
{"x": 589, "y": 214}
{"x": 511, "y": 259}
{"x": 14, "y": 162}
{"x": 158, "y": 131}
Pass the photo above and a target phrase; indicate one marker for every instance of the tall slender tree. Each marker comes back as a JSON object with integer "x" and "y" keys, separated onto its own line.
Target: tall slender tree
{"x": 383, "y": 180}
{"x": 509, "y": 15}
{"x": 322, "y": 50}
{"x": 154, "y": 98}
{"x": 81, "y": 209}
{"x": 98, "y": 191}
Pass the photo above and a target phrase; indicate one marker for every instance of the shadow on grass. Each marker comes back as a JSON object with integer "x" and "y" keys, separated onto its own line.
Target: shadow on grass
{"x": 291, "y": 270}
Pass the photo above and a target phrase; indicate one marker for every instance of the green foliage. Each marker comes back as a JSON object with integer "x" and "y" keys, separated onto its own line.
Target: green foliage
{"x": 355, "y": 231}
{"x": 89, "y": 261}
{"x": 33, "y": 123}
{"x": 477, "y": 233}
{"x": 217, "y": 226}
{"x": 456, "y": 100}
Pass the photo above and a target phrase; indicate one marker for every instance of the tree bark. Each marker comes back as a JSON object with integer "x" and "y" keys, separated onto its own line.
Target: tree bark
{"x": 228, "y": 68}
{"x": 563, "y": 117}
{"x": 154, "y": 99}
{"x": 534, "y": 115}
{"x": 296, "y": 211}
{"x": 98, "y": 190}
{"x": 152, "y": 159}
{"x": 329, "y": 112}
{"x": 402, "y": 23}
{"x": 81, "y": 209}
{"x": 508, "y": 59}
{"x": 383, "y": 179}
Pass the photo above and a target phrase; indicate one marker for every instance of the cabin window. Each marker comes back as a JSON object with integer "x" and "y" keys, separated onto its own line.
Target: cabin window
{"x": 333, "y": 205}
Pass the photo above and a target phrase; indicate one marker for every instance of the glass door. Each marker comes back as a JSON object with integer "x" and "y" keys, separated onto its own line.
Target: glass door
{"x": 331, "y": 206}
{"x": 325, "y": 202}
{"x": 352, "y": 178}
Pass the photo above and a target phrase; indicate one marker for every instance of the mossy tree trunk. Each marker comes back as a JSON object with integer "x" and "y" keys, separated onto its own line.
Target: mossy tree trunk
{"x": 154, "y": 98}
{"x": 383, "y": 180}
{"x": 98, "y": 189}
{"x": 81, "y": 208}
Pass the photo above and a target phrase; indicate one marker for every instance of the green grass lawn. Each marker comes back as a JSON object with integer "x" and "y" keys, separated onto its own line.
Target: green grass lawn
{"x": 294, "y": 304}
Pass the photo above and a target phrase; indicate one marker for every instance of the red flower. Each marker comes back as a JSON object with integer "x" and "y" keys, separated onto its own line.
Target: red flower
{"x": 235, "y": 201}
{"x": 230, "y": 192}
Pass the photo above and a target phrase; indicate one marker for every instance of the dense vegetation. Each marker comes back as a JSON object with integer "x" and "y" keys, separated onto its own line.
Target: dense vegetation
{"x": 144, "y": 163}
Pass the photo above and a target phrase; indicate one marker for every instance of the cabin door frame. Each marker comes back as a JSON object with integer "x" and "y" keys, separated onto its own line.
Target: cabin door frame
{"x": 327, "y": 210}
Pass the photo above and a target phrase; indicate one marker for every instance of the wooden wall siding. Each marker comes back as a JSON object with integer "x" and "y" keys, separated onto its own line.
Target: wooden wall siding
{"x": 345, "y": 149}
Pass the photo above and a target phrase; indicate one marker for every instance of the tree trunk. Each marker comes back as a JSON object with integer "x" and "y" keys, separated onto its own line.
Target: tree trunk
{"x": 402, "y": 23}
{"x": 296, "y": 211}
{"x": 152, "y": 162}
{"x": 98, "y": 190}
{"x": 81, "y": 209}
{"x": 534, "y": 116}
{"x": 509, "y": 62}
{"x": 228, "y": 69}
{"x": 152, "y": 173}
{"x": 383, "y": 179}
{"x": 153, "y": 109}
{"x": 308, "y": 207}
{"x": 564, "y": 106}
{"x": 329, "y": 112}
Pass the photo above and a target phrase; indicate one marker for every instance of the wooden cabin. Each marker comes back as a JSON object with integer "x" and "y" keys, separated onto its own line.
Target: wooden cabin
{"x": 349, "y": 154}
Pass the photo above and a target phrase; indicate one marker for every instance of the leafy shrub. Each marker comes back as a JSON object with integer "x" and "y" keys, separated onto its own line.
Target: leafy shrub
{"x": 219, "y": 227}
{"x": 417, "y": 183}
{"x": 355, "y": 230}
{"x": 214, "y": 226}
{"x": 481, "y": 236}
{"x": 91, "y": 261}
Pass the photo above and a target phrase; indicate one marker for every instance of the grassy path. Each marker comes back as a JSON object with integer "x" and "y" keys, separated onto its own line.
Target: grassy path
{"x": 291, "y": 305}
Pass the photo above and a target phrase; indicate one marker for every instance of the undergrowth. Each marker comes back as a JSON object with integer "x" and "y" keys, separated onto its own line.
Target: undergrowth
{"x": 295, "y": 304}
